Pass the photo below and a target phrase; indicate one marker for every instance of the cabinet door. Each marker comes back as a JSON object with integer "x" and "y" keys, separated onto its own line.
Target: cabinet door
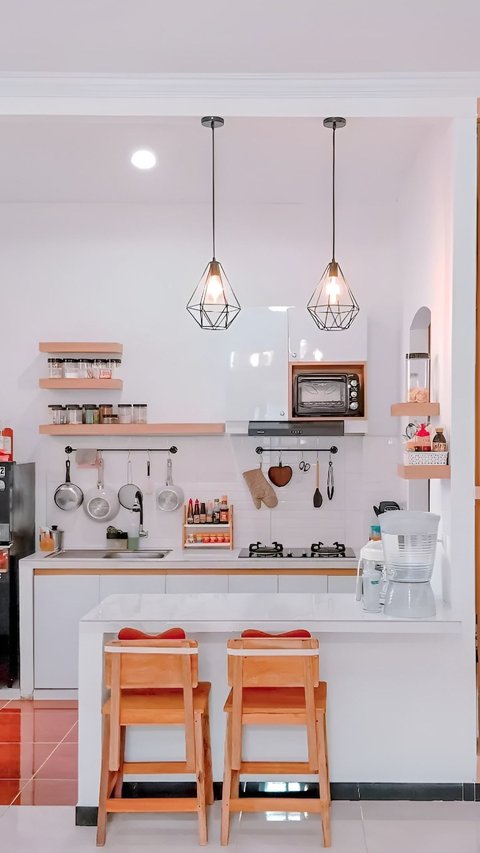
{"x": 114, "y": 584}
{"x": 257, "y": 366}
{"x": 342, "y": 583}
{"x": 59, "y": 604}
{"x": 302, "y": 583}
{"x": 253, "y": 583}
{"x": 307, "y": 343}
{"x": 197, "y": 583}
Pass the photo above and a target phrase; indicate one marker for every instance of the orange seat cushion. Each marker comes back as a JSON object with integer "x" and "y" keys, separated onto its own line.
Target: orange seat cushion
{"x": 298, "y": 633}
{"x": 135, "y": 634}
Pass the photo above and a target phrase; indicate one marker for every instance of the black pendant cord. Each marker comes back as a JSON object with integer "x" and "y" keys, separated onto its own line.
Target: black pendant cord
{"x": 333, "y": 191}
{"x": 213, "y": 191}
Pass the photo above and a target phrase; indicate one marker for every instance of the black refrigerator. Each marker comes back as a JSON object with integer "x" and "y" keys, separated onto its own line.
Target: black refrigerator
{"x": 17, "y": 540}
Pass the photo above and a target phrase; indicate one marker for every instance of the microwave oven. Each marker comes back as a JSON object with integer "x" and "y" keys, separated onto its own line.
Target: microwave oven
{"x": 327, "y": 395}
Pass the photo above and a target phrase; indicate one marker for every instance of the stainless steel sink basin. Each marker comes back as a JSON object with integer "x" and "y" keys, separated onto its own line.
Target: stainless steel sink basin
{"x": 96, "y": 554}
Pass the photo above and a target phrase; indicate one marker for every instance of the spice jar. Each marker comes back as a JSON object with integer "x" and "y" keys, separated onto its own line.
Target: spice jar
{"x": 105, "y": 411}
{"x": 125, "y": 413}
{"x": 59, "y": 414}
{"x": 74, "y": 414}
{"x": 113, "y": 365}
{"x": 104, "y": 369}
{"x": 83, "y": 368}
{"x": 139, "y": 413}
{"x": 418, "y": 377}
{"x": 55, "y": 368}
{"x": 91, "y": 414}
{"x": 71, "y": 368}
{"x": 110, "y": 419}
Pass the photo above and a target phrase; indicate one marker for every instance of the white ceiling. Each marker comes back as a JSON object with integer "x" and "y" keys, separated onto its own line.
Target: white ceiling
{"x": 259, "y": 160}
{"x": 222, "y": 36}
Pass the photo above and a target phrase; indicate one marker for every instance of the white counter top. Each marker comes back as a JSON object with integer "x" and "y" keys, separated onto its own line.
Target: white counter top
{"x": 218, "y": 612}
{"x": 185, "y": 559}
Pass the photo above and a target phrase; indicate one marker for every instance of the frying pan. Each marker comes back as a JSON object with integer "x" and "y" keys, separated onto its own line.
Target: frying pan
{"x": 127, "y": 492}
{"x": 101, "y": 504}
{"x": 169, "y": 497}
{"x": 68, "y": 496}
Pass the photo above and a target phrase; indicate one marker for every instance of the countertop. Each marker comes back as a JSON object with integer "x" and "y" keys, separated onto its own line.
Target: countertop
{"x": 187, "y": 559}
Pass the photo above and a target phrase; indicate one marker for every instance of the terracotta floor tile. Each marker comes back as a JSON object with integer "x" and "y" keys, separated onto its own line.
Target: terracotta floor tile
{"x": 22, "y": 760}
{"x": 41, "y": 726}
{"x": 48, "y": 792}
{"x": 72, "y": 736}
{"x": 9, "y": 789}
{"x": 61, "y": 764}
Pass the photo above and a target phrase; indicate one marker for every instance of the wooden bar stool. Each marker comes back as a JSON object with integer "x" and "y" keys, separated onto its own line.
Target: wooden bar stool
{"x": 275, "y": 682}
{"x": 154, "y": 682}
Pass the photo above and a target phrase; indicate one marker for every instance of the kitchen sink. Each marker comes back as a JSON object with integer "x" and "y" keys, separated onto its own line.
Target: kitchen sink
{"x": 96, "y": 554}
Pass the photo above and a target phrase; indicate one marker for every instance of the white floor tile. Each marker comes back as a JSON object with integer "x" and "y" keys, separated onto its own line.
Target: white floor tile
{"x": 398, "y": 827}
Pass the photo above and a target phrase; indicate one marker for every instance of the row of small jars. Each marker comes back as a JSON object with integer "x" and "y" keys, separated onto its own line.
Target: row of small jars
{"x": 82, "y": 368}
{"x": 90, "y": 413}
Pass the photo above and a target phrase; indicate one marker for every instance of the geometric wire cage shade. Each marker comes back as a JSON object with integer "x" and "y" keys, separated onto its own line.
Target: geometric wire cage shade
{"x": 213, "y": 304}
{"x": 332, "y": 304}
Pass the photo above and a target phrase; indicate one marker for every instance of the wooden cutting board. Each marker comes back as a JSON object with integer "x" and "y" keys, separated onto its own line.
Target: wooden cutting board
{"x": 280, "y": 475}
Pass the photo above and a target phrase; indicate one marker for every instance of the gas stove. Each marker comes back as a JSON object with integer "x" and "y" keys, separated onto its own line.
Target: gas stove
{"x": 317, "y": 550}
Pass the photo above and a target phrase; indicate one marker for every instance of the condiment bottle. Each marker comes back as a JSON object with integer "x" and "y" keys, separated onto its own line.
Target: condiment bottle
{"x": 216, "y": 511}
{"x": 196, "y": 512}
{"x": 6, "y": 445}
{"x": 439, "y": 443}
{"x": 224, "y": 510}
{"x": 203, "y": 513}
{"x": 423, "y": 441}
{"x": 209, "y": 512}
{"x": 190, "y": 512}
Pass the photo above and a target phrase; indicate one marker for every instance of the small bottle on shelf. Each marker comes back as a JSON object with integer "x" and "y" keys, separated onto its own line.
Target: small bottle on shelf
{"x": 190, "y": 512}
{"x": 439, "y": 443}
{"x": 209, "y": 512}
{"x": 216, "y": 511}
{"x": 224, "y": 513}
{"x": 6, "y": 444}
{"x": 203, "y": 513}
{"x": 196, "y": 512}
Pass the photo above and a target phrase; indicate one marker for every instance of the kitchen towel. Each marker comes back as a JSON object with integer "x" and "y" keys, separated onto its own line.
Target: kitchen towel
{"x": 260, "y": 488}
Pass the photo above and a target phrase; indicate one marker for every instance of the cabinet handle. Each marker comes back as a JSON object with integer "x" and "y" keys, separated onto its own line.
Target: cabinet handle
{"x": 282, "y": 412}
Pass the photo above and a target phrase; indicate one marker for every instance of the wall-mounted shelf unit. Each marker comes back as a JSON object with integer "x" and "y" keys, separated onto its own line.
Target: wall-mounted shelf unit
{"x": 424, "y": 472}
{"x": 79, "y": 384}
{"x": 415, "y": 410}
{"x": 208, "y": 530}
{"x": 132, "y": 429}
{"x": 80, "y": 347}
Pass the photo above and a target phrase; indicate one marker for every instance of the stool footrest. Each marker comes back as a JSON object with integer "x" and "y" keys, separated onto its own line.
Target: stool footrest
{"x": 278, "y": 767}
{"x": 152, "y": 804}
{"x": 154, "y": 767}
{"x": 277, "y": 804}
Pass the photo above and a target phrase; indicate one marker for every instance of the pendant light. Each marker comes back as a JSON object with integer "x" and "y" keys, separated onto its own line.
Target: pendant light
{"x": 332, "y": 304}
{"x": 213, "y": 304}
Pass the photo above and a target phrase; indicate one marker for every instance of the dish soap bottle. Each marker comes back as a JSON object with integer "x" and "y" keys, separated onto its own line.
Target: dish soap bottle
{"x": 423, "y": 442}
{"x": 133, "y": 527}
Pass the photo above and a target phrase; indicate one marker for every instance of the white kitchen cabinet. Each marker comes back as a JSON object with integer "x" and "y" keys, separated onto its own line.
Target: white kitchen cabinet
{"x": 302, "y": 583}
{"x": 253, "y": 583}
{"x": 307, "y": 343}
{"x": 341, "y": 583}
{"x": 257, "y": 366}
{"x": 197, "y": 583}
{"x": 114, "y": 584}
{"x": 59, "y": 603}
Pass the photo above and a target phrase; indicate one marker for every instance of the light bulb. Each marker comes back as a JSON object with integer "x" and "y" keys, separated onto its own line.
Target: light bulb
{"x": 213, "y": 291}
{"x": 332, "y": 289}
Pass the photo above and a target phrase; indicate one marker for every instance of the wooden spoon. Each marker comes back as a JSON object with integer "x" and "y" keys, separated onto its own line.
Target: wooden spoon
{"x": 317, "y": 497}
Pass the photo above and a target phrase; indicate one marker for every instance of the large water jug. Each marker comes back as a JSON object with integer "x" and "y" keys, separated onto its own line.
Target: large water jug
{"x": 409, "y": 543}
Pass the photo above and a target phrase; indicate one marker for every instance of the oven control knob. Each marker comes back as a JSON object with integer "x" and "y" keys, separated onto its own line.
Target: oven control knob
{"x": 354, "y": 382}
{"x": 353, "y": 405}
{"x": 354, "y": 394}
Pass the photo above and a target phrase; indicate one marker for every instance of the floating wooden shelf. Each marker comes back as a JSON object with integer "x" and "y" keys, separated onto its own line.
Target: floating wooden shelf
{"x": 415, "y": 410}
{"x": 209, "y": 545}
{"x": 79, "y": 347}
{"x": 424, "y": 472}
{"x": 132, "y": 429}
{"x": 78, "y": 384}
{"x": 201, "y": 527}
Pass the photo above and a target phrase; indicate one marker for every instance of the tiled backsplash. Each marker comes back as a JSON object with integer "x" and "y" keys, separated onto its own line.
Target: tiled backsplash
{"x": 205, "y": 467}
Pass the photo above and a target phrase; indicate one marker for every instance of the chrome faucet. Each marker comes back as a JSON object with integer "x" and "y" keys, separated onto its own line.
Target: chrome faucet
{"x": 139, "y": 499}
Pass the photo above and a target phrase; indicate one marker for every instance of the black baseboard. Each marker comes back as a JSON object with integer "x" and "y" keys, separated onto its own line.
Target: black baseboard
{"x": 420, "y": 792}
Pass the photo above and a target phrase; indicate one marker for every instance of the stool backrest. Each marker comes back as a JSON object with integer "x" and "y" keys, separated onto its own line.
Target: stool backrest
{"x": 273, "y": 662}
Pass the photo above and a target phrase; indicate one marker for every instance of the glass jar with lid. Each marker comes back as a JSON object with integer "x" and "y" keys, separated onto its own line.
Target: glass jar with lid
{"x": 113, "y": 364}
{"x": 125, "y": 413}
{"x": 55, "y": 368}
{"x": 418, "y": 377}
{"x": 105, "y": 411}
{"x": 91, "y": 413}
{"x": 104, "y": 369}
{"x": 83, "y": 368}
{"x": 74, "y": 414}
{"x": 59, "y": 414}
{"x": 110, "y": 419}
{"x": 71, "y": 368}
{"x": 139, "y": 413}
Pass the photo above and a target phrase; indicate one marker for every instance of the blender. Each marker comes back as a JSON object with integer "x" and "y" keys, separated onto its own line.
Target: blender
{"x": 409, "y": 543}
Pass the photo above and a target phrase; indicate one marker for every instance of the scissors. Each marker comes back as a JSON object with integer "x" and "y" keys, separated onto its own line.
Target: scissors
{"x": 304, "y": 466}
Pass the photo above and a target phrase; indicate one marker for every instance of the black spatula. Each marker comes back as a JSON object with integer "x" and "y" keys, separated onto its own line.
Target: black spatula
{"x": 317, "y": 497}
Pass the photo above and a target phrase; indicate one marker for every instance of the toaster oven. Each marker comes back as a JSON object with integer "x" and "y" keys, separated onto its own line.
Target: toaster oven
{"x": 327, "y": 395}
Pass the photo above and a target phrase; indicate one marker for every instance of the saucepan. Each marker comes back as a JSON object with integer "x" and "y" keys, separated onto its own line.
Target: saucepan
{"x": 169, "y": 497}
{"x": 68, "y": 496}
{"x": 101, "y": 503}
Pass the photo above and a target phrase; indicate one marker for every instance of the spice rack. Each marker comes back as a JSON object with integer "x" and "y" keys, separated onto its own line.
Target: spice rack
{"x": 71, "y": 348}
{"x": 208, "y": 530}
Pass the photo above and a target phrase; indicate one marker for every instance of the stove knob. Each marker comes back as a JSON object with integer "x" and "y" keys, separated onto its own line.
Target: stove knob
{"x": 289, "y": 554}
{"x": 313, "y": 554}
{"x": 304, "y": 554}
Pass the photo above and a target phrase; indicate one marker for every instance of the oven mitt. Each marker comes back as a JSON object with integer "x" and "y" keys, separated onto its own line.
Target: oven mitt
{"x": 260, "y": 488}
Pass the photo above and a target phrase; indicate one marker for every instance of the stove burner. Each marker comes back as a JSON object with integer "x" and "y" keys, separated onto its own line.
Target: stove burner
{"x": 259, "y": 550}
{"x": 335, "y": 550}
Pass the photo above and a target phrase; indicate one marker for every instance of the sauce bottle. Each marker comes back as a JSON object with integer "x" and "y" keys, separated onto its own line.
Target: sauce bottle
{"x": 203, "y": 513}
{"x": 439, "y": 443}
{"x": 216, "y": 511}
{"x": 6, "y": 444}
{"x": 196, "y": 512}
{"x": 224, "y": 510}
{"x": 423, "y": 442}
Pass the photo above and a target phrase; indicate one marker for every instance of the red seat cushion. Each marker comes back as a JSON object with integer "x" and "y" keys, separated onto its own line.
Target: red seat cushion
{"x": 298, "y": 633}
{"x": 135, "y": 634}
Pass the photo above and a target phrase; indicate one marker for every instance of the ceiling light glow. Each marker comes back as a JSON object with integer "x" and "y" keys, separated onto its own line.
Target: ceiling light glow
{"x": 143, "y": 158}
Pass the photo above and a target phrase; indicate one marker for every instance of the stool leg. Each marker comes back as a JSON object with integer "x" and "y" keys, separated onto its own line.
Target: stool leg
{"x": 200, "y": 776}
{"x": 235, "y": 789}
{"x": 227, "y": 784}
{"x": 104, "y": 784}
{"x": 324, "y": 784}
{"x": 117, "y": 791}
{"x": 208, "y": 759}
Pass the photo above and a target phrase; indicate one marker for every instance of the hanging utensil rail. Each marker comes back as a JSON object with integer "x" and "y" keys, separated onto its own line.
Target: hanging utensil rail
{"x": 172, "y": 449}
{"x": 332, "y": 449}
